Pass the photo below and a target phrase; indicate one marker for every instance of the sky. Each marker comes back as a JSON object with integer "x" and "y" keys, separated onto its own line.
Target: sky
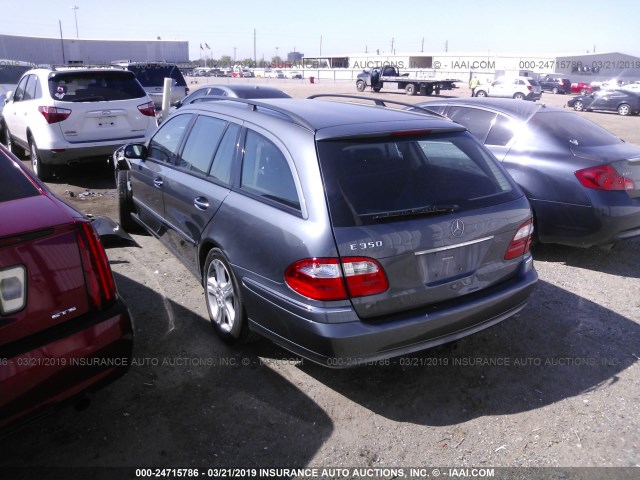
{"x": 333, "y": 27}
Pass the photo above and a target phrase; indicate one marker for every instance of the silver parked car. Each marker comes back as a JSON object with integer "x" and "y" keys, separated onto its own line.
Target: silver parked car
{"x": 346, "y": 233}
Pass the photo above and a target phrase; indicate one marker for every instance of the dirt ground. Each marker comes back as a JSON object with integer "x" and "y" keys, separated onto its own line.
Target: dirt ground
{"x": 556, "y": 386}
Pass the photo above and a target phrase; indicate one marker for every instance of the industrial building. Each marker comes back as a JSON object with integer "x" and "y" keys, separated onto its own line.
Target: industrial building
{"x": 43, "y": 50}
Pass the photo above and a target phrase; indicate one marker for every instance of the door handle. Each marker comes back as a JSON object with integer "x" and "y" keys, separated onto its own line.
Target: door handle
{"x": 201, "y": 203}
{"x": 158, "y": 182}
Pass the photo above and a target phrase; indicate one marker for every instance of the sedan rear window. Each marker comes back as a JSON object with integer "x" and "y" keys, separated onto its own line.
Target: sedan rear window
{"x": 367, "y": 181}
{"x": 92, "y": 86}
{"x": 569, "y": 128}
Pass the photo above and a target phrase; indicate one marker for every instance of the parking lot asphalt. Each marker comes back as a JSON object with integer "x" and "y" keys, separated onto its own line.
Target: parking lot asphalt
{"x": 556, "y": 386}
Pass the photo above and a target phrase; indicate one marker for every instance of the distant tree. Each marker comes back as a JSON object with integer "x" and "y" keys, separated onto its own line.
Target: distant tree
{"x": 248, "y": 62}
{"x": 226, "y": 61}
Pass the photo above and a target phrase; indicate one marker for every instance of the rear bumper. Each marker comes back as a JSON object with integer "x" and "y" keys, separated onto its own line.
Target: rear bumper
{"x": 40, "y": 372}
{"x": 613, "y": 217}
{"x": 358, "y": 342}
{"x": 83, "y": 153}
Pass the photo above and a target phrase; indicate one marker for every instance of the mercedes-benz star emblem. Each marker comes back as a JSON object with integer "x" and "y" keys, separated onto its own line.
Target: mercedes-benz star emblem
{"x": 457, "y": 228}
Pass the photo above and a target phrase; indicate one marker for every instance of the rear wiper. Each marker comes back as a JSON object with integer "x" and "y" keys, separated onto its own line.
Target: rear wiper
{"x": 414, "y": 212}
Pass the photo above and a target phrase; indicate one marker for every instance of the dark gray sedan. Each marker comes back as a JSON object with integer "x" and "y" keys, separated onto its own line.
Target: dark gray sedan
{"x": 583, "y": 182}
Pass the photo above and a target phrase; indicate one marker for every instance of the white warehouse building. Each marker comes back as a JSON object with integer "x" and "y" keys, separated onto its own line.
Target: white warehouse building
{"x": 45, "y": 50}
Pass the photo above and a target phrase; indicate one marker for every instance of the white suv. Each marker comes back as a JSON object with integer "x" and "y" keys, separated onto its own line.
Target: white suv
{"x": 520, "y": 88}
{"x": 70, "y": 116}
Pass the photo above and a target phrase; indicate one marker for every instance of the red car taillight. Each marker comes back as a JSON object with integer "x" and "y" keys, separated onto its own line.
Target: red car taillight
{"x": 529, "y": 87}
{"x": 604, "y": 177}
{"x": 329, "y": 279}
{"x": 97, "y": 272}
{"x": 521, "y": 241}
{"x": 54, "y": 114}
{"x": 148, "y": 109}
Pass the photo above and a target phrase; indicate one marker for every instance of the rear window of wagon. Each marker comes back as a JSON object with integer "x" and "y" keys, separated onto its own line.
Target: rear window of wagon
{"x": 365, "y": 178}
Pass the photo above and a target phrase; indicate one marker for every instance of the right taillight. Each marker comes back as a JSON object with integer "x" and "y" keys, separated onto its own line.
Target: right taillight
{"x": 604, "y": 177}
{"x": 521, "y": 241}
{"x": 148, "y": 109}
{"x": 97, "y": 272}
{"x": 328, "y": 279}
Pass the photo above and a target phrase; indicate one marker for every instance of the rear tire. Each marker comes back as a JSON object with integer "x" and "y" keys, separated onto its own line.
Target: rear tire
{"x": 555, "y": 90}
{"x": 224, "y": 300}
{"x": 624, "y": 109}
{"x": 42, "y": 171}
{"x": 518, "y": 96}
{"x": 410, "y": 89}
{"x": 376, "y": 89}
{"x": 12, "y": 147}
{"x": 125, "y": 202}
{"x": 360, "y": 86}
{"x": 481, "y": 93}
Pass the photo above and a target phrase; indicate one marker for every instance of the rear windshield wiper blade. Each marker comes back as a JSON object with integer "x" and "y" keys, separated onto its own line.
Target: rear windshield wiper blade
{"x": 414, "y": 212}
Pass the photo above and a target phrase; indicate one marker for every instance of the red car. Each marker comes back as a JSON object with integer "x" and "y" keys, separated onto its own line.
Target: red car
{"x": 582, "y": 88}
{"x": 64, "y": 330}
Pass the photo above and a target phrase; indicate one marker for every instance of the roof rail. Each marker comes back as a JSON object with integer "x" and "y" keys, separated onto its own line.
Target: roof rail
{"x": 379, "y": 102}
{"x": 254, "y": 105}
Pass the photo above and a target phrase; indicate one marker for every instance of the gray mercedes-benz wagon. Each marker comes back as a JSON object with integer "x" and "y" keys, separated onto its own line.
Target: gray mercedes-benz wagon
{"x": 346, "y": 233}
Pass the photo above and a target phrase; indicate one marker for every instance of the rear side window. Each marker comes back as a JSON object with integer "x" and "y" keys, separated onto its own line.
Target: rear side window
{"x": 265, "y": 171}
{"x": 477, "y": 121}
{"x": 15, "y": 184}
{"x": 92, "y": 86}
{"x": 368, "y": 179}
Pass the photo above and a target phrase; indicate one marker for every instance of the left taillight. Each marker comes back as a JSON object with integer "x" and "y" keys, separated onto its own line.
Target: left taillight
{"x": 148, "y": 109}
{"x": 521, "y": 241}
{"x": 98, "y": 276}
{"x": 13, "y": 289}
{"x": 329, "y": 279}
{"x": 54, "y": 114}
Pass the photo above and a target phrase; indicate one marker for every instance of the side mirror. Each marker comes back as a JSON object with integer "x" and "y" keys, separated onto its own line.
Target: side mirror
{"x": 135, "y": 150}
{"x": 8, "y": 97}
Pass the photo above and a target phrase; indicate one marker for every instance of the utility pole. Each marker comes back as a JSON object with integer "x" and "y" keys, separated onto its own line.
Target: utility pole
{"x": 422, "y": 49}
{"x": 392, "y": 40}
{"x": 62, "y": 42}
{"x": 75, "y": 14}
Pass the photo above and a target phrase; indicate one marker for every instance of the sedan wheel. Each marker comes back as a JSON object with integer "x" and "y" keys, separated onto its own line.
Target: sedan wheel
{"x": 224, "y": 302}
{"x": 578, "y": 106}
{"x": 360, "y": 86}
{"x": 12, "y": 147}
{"x": 624, "y": 109}
{"x": 555, "y": 90}
{"x": 481, "y": 93}
{"x": 519, "y": 96}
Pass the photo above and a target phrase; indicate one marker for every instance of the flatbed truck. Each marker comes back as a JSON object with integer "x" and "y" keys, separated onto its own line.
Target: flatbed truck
{"x": 389, "y": 76}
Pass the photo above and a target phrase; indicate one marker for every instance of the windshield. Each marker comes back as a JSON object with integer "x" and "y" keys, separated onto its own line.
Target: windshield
{"x": 372, "y": 180}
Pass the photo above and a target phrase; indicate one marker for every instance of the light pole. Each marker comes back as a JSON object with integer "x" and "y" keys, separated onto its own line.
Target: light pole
{"x": 75, "y": 14}
{"x": 277, "y": 57}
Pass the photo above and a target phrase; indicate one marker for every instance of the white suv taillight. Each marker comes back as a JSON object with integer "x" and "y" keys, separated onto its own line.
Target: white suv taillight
{"x": 148, "y": 109}
{"x": 54, "y": 114}
{"x": 13, "y": 289}
{"x": 329, "y": 279}
{"x": 521, "y": 241}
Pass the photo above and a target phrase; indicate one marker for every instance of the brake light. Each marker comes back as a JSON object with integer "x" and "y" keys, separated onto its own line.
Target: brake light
{"x": 521, "y": 241}
{"x": 331, "y": 279}
{"x": 604, "y": 177}
{"x": 148, "y": 109}
{"x": 97, "y": 272}
{"x": 54, "y": 114}
{"x": 529, "y": 87}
